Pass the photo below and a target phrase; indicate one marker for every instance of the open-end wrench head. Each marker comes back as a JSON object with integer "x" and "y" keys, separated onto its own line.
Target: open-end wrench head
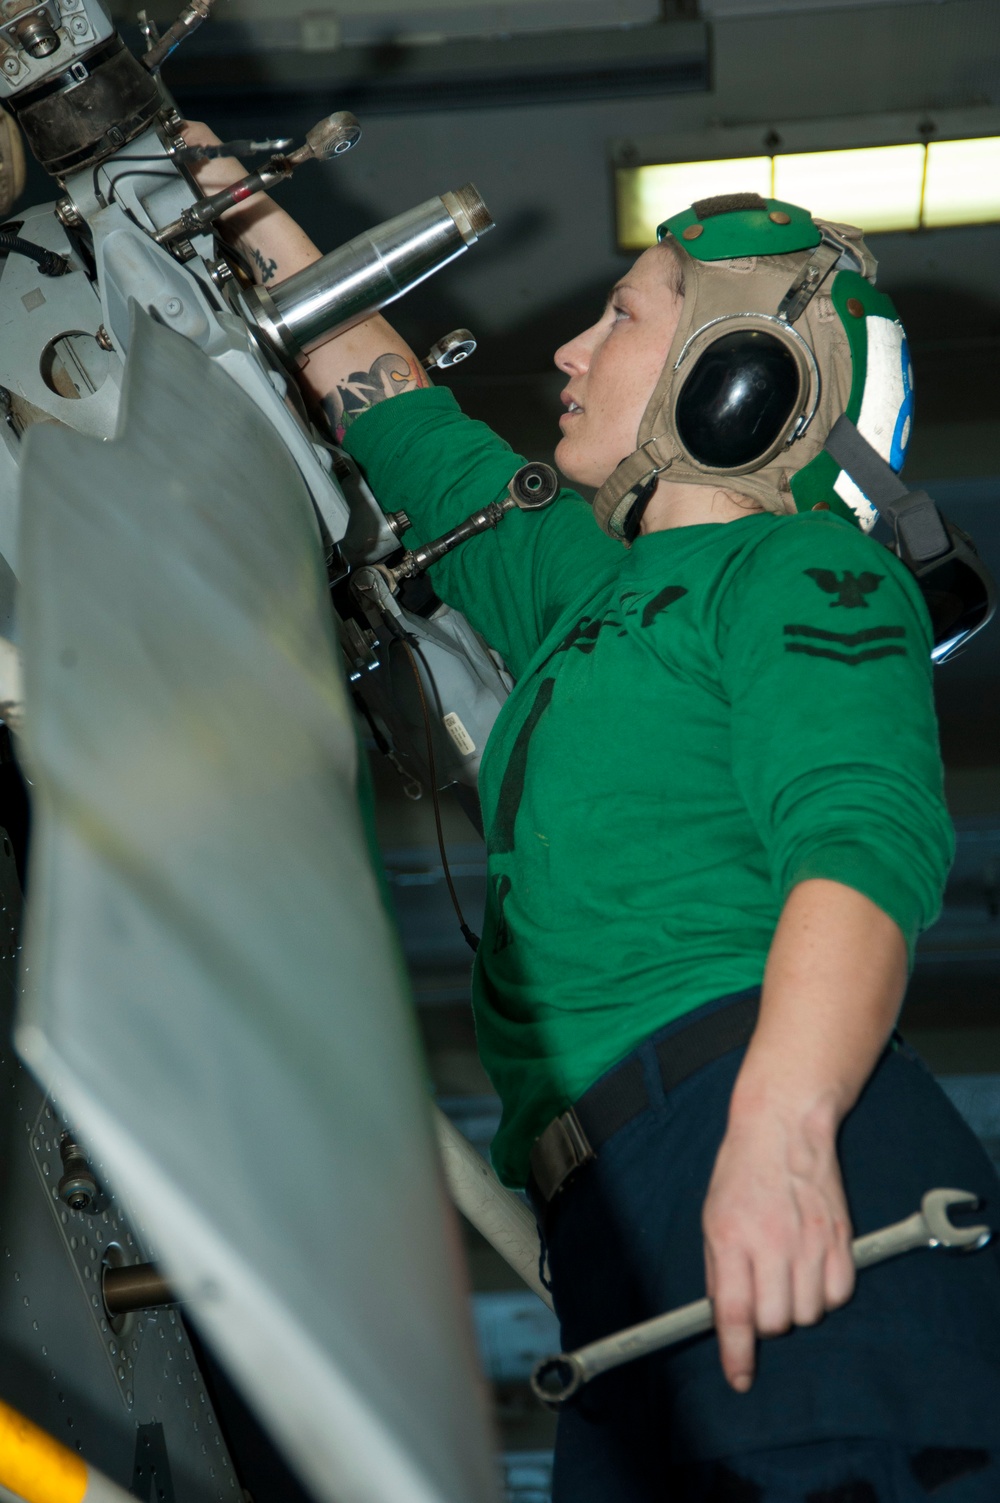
{"x": 934, "y": 1208}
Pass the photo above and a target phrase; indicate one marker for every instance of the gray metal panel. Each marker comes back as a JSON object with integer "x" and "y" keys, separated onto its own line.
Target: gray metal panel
{"x": 213, "y": 990}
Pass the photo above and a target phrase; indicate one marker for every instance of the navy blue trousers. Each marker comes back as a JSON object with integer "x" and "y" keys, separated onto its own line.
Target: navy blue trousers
{"x": 911, "y": 1365}
{"x": 848, "y": 1471}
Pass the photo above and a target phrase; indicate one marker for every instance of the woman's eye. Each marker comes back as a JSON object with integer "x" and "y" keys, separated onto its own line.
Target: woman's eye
{"x": 619, "y": 313}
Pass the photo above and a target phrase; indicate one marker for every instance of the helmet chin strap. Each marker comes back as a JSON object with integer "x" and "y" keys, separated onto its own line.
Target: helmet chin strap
{"x": 642, "y": 495}
{"x": 633, "y": 481}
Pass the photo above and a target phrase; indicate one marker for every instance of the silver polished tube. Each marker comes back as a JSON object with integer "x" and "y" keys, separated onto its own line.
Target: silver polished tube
{"x": 351, "y": 283}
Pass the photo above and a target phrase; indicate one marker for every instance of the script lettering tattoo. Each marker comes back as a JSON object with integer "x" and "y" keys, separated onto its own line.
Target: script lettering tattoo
{"x": 266, "y": 267}
{"x": 387, "y": 376}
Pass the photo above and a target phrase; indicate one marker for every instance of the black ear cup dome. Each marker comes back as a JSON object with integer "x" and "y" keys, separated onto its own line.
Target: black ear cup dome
{"x": 737, "y": 401}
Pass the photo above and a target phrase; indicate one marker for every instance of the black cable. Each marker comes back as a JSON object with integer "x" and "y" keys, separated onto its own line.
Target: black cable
{"x": 49, "y": 262}
{"x": 98, "y": 167}
{"x": 471, "y": 939}
{"x": 134, "y": 172}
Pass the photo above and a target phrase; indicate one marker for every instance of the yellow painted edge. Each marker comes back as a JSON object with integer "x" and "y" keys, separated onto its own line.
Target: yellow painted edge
{"x": 35, "y": 1466}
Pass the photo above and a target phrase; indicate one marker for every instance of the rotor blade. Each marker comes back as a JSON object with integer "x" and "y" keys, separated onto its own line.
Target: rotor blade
{"x": 213, "y": 989}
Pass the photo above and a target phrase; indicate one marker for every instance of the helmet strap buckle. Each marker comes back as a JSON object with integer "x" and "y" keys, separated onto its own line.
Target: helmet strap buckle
{"x": 811, "y": 278}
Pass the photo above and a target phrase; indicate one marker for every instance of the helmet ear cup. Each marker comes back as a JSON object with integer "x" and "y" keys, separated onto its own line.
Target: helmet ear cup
{"x": 739, "y": 400}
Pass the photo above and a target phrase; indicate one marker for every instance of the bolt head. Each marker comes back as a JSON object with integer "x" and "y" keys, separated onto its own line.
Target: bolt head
{"x": 11, "y": 65}
{"x": 78, "y": 1192}
{"x": 173, "y": 307}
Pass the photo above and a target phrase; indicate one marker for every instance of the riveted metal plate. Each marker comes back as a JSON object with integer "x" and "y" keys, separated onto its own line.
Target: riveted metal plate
{"x": 91, "y": 1240}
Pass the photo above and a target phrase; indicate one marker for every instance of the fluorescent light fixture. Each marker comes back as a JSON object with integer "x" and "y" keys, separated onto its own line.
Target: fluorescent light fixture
{"x": 963, "y": 182}
{"x": 649, "y": 195}
{"x": 878, "y": 188}
{"x": 875, "y": 187}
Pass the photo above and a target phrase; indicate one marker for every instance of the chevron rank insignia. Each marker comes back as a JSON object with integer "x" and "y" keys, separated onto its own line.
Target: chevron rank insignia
{"x": 851, "y": 647}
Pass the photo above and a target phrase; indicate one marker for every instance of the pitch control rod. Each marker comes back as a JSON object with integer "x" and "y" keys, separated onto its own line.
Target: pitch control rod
{"x": 331, "y": 138}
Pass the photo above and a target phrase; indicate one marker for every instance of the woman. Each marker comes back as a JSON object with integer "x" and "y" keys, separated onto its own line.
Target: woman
{"x": 715, "y": 828}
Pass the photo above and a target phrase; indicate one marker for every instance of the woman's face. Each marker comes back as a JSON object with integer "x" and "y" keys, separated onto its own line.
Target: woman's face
{"x": 613, "y": 367}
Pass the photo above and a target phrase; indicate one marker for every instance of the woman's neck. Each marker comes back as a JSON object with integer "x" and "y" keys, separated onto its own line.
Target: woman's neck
{"x": 674, "y": 504}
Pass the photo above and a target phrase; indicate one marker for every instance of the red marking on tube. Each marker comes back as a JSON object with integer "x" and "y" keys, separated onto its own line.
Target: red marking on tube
{"x": 239, "y": 194}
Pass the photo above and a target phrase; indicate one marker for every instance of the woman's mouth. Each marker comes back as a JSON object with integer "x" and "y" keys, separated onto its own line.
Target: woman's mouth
{"x": 573, "y": 409}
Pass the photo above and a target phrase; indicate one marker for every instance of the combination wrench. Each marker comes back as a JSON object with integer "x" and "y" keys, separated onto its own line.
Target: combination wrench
{"x": 556, "y": 1379}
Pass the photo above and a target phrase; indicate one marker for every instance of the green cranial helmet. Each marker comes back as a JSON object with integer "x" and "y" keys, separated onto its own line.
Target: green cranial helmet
{"x": 782, "y": 332}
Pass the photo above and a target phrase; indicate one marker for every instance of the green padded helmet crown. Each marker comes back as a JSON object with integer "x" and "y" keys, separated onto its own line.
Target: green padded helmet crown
{"x": 741, "y": 224}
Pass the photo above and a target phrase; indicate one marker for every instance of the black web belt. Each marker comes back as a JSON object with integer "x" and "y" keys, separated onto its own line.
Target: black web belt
{"x": 573, "y": 1139}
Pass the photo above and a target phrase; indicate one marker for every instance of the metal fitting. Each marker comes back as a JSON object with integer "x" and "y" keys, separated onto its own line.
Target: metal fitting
{"x": 104, "y": 338}
{"x": 78, "y": 1187}
{"x": 138, "y": 1287}
{"x": 450, "y": 350}
{"x": 334, "y": 136}
{"x": 68, "y": 214}
{"x": 37, "y": 36}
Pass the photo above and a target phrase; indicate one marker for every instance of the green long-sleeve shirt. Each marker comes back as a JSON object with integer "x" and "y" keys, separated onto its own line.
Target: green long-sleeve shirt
{"x": 699, "y": 723}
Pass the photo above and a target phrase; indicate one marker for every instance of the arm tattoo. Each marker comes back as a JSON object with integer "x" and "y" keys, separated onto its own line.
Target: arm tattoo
{"x": 266, "y": 267}
{"x": 387, "y": 377}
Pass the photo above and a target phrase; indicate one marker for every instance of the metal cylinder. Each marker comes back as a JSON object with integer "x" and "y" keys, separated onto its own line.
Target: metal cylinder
{"x": 374, "y": 269}
{"x": 139, "y": 1287}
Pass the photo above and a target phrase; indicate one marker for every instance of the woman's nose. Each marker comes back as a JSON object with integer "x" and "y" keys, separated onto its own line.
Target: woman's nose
{"x": 573, "y": 357}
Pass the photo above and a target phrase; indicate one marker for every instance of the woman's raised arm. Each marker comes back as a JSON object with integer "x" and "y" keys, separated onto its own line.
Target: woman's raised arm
{"x": 354, "y": 370}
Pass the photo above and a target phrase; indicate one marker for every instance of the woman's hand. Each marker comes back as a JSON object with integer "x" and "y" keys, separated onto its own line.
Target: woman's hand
{"x": 776, "y": 1225}
{"x": 777, "y": 1231}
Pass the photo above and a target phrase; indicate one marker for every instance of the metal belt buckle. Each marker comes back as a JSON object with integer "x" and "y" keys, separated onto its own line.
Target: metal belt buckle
{"x": 562, "y": 1149}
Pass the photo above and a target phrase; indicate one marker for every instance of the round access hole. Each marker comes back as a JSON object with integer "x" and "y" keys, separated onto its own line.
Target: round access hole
{"x": 73, "y": 365}
{"x": 115, "y": 1258}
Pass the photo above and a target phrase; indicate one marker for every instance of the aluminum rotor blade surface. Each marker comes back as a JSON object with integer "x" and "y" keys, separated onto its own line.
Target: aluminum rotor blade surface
{"x": 213, "y": 990}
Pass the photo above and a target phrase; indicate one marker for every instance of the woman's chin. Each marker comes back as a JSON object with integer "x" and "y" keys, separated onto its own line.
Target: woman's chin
{"x": 575, "y": 470}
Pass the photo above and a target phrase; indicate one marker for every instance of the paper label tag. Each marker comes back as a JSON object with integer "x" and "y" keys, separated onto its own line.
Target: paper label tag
{"x": 456, "y": 730}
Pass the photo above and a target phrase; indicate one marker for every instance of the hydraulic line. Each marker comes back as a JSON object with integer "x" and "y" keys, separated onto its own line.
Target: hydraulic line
{"x": 49, "y": 263}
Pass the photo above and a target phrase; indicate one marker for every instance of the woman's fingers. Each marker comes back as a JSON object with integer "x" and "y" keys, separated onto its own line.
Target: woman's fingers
{"x": 809, "y": 1303}
{"x": 839, "y": 1273}
{"x": 765, "y": 1292}
{"x": 777, "y": 1247}
{"x": 732, "y": 1287}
